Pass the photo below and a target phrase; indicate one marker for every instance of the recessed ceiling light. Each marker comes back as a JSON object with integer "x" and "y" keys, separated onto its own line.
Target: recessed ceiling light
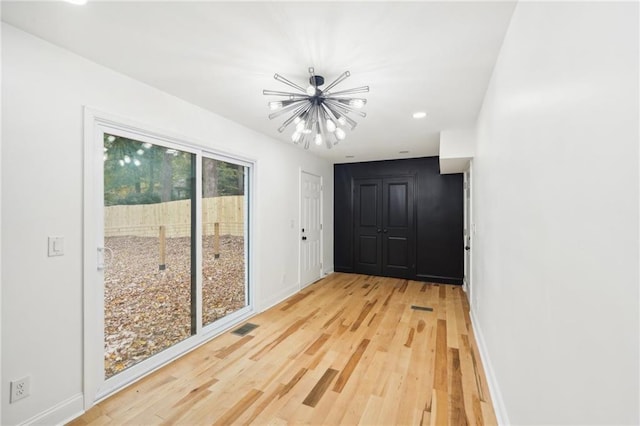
{"x": 349, "y": 156}
{"x": 419, "y": 114}
{"x": 403, "y": 152}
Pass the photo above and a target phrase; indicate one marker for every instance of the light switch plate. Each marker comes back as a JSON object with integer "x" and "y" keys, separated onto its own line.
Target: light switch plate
{"x": 56, "y": 246}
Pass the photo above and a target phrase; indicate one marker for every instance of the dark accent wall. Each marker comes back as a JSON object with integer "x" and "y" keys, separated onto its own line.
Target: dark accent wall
{"x": 438, "y": 208}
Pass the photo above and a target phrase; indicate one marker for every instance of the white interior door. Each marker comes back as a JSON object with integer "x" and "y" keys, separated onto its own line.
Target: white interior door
{"x": 310, "y": 228}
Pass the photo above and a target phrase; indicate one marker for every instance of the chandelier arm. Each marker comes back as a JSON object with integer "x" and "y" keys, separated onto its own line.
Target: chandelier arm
{"x": 319, "y": 112}
{"x": 344, "y": 108}
{"x": 293, "y": 106}
{"x": 291, "y": 95}
{"x": 362, "y": 89}
{"x": 322, "y": 126}
{"x": 330, "y": 113}
{"x": 313, "y": 117}
{"x": 352, "y": 123}
{"x": 338, "y": 80}
{"x": 335, "y": 114}
{"x": 304, "y": 108}
{"x": 346, "y": 100}
{"x": 325, "y": 116}
{"x": 319, "y": 124}
{"x": 312, "y": 77}
{"x": 281, "y": 79}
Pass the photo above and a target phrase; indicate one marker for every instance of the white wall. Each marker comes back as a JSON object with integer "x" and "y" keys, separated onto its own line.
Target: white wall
{"x": 1, "y": 388}
{"x": 556, "y": 208}
{"x": 456, "y": 150}
{"x": 457, "y": 143}
{"x": 44, "y": 91}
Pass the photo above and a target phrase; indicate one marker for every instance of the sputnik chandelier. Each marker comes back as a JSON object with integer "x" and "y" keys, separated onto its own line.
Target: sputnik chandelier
{"x": 318, "y": 114}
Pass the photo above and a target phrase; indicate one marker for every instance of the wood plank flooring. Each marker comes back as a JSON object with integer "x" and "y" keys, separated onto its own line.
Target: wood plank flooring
{"x": 348, "y": 349}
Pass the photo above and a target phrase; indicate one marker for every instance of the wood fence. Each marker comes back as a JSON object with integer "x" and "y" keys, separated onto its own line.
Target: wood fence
{"x": 144, "y": 220}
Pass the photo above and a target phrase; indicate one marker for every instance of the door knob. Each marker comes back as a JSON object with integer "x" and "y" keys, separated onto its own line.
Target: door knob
{"x": 385, "y": 231}
{"x": 304, "y": 238}
{"x": 467, "y": 248}
{"x": 379, "y": 230}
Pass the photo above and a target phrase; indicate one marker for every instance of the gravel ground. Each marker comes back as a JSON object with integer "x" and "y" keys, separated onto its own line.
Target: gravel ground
{"x": 148, "y": 310}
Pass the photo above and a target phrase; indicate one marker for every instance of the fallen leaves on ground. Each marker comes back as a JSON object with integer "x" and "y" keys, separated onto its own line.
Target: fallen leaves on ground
{"x": 148, "y": 310}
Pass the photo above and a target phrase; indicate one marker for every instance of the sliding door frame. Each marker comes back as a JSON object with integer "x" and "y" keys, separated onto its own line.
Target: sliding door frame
{"x": 96, "y": 123}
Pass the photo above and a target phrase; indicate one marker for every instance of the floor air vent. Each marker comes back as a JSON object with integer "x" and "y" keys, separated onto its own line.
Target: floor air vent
{"x": 422, "y": 308}
{"x": 245, "y": 329}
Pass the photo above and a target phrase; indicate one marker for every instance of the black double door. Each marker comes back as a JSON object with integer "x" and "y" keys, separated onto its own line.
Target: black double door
{"x": 384, "y": 228}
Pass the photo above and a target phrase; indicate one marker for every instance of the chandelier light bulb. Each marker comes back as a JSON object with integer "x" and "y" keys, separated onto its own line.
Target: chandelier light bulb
{"x": 331, "y": 126}
{"x": 296, "y": 136}
{"x": 311, "y": 90}
{"x": 275, "y": 105}
{"x": 356, "y": 103}
{"x": 340, "y": 134}
{"x": 342, "y": 120}
{"x": 300, "y": 125}
{"x": 318, "y": 139}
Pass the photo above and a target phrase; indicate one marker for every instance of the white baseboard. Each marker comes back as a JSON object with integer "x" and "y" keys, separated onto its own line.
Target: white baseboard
{"x": 287, "y": 292}
{"x": 279, "y": 297}
{"x": 60, "y": 413}
{"x": 494, "y": 389}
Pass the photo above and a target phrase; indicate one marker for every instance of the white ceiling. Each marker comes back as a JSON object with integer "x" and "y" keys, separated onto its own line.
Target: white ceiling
{"x": 415, "y": 56}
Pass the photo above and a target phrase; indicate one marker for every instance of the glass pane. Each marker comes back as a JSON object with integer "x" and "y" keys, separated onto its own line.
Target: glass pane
{"x": 224, "y": 240}
{"x": 148, "y": 283}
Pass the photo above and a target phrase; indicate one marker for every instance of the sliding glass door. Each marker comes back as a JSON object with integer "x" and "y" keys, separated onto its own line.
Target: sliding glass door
{"x": 149, "y": 242}
{"x": 224, "y": 207}
{"x": 170, "y": 225}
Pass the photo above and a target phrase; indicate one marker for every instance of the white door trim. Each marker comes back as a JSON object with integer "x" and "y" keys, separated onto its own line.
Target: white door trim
{"x": 468, "y": 226}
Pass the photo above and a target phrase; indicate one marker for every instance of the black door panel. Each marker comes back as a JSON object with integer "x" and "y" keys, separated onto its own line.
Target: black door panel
{"x": 384, "y": 227}
{"x": 367, "y": 224}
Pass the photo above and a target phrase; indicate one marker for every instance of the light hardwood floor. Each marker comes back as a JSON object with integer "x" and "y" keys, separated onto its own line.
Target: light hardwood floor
{"x": 348, "y": 349}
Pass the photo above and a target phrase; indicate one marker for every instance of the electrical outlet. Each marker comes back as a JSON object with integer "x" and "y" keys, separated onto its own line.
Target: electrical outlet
{"x": 20, "y": 389}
